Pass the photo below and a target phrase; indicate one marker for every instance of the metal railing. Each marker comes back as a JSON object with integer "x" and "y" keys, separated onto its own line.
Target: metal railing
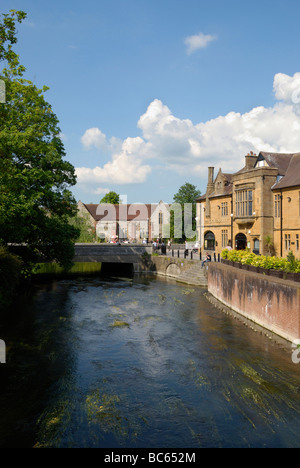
{"x": 188, "y": 254}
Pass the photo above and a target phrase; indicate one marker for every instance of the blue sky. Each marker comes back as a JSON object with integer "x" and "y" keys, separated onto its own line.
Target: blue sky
{"x": 150, "y": 93}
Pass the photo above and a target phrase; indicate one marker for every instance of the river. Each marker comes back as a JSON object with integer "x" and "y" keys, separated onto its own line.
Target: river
{"x": 142, "y": 362}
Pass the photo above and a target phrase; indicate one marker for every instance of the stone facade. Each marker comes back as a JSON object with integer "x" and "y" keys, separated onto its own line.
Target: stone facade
{"x": 257, "y": 207}
{"x": 135, "y": 222}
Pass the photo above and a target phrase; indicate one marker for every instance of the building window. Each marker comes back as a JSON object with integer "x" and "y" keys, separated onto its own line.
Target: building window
{"x": 209, "y": 241}
{"x": 225, "y": 209}
{"x": 297, "y": 242}
{"x": 277, "y": 206}
{"x": 262, "y": 163}
{"x": 244, "y": 203}
{"x": 160, "y": 218}
{"x": 224, "y": 238}
{"x": 256, "y": 246}
{"x": 287, "y": 242}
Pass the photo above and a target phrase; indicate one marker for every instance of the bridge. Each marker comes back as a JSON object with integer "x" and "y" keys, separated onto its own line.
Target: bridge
{"x": 138, "y": 257}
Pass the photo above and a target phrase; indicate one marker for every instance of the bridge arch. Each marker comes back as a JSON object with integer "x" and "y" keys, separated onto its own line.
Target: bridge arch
{"x": 173, "y": 269}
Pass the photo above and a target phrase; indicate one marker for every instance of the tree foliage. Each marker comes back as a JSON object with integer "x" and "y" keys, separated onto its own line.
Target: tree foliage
{"x": 87, "y": 233}
{"x": 35, "y": 202}
{"x": 186, "y": 197}
{"x": 187, "y": 193}
{"x": 10, "y": 273}
{"x": 111, "y": 197}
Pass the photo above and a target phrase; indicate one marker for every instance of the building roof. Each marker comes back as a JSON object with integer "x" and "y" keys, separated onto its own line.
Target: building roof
{"x": 115, "y": 213}
{"x": 288, "y": 165}
{"x": 279, "y": 161}
{"x": 227, "y": 189}
{"x": 291, "y": 177}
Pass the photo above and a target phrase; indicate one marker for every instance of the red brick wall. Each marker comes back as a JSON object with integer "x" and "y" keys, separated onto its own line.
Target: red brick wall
{"x": 270, "y": 302}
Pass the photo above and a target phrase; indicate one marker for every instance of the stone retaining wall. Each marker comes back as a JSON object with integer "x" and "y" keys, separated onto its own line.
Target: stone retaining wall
{"x": 270, "y": 302}
{"x": 171, "y": 266}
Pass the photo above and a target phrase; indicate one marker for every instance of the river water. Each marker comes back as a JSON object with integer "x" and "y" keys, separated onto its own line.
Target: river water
{"x": 141, "y": 362}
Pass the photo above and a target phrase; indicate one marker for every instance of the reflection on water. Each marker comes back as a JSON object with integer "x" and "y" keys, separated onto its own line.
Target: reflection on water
{"x": 141, "y": 363}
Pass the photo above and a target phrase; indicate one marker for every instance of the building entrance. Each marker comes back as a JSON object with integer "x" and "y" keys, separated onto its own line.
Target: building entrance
{"x": 240, "y": 242}
{"x": 209, "y": 241}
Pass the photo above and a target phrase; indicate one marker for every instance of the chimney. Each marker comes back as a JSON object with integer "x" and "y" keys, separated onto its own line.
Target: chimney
{"x": 250, "y": 160}
{"x": 211, "y": 175}
{"x": 210, "y": 188}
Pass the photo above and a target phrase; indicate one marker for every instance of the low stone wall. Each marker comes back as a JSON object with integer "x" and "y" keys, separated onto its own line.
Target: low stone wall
{"x": 270, "y": 302}
{"x": 171, "y": 266}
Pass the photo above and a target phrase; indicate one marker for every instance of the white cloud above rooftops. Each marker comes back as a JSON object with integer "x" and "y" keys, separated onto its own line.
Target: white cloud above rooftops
{"x": 179, "y": 145}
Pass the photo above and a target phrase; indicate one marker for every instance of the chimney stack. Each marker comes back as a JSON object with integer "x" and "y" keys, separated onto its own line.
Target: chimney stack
{"x": 250, "y": 160}
{"x": 211, "y": 175}
{"x": 210, "y": 188}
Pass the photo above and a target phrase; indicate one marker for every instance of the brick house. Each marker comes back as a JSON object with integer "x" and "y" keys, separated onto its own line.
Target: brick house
{"x": 132, "y": 222}
{"x": 257, "y": 207}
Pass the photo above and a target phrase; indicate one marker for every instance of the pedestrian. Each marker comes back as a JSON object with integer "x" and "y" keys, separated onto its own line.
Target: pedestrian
{"x": 229, "y": 245}
{"x": 207, "y": 259}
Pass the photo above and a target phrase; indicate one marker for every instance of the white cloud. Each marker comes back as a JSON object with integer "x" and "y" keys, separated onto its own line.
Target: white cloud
{"x": 287, "y": 89}
{"x": 179, "y": 145}
{"x": 198, "y": 41}
{"x": 125, "y": 167}
{"x": 94, "y": 137}
{"x": 101, "y": 191}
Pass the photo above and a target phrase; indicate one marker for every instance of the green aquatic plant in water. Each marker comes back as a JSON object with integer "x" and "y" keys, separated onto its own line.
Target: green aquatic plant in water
{"x": 120, "y": 323}
{"x": 109, "y": 413}
{"x": 101, "y": 409}
{"x": 187, "y": 292}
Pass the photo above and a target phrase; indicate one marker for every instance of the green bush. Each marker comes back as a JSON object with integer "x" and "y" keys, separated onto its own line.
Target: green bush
{"x": 10, "y": 274}
{"x": 267, "y": 262}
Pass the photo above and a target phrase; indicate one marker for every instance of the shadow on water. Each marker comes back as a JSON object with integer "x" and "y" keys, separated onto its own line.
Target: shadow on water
{"x": 140, "y": 362}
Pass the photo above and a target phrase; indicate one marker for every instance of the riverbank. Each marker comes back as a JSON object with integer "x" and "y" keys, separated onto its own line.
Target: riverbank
{"x": 79, "y": 268}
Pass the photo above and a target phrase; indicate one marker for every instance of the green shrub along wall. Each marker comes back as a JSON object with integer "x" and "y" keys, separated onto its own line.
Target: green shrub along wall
{"x": 289, "y": 264}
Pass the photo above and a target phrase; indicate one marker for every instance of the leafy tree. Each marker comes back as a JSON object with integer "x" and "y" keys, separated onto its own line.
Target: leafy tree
{"x": 10, "y": 274}
{"x": 8, "y": 37}
{"x": 186, "y": 197}
{"x": 111, "y": 197}
{"x": 87, "y": 233}
{"x": 188, "y": 193}
{"x": 35, "y": 203}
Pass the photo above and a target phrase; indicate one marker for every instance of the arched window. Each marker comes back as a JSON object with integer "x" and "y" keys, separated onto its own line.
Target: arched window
{"x": 209, "y": 241}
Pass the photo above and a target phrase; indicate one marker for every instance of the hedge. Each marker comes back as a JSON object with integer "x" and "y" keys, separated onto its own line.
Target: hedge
{"x": 289, "y": 264}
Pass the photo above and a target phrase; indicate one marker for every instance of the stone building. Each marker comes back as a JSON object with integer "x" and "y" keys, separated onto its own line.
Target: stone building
{"x": 135, "y": 222}
{"x": 257, "y": 207}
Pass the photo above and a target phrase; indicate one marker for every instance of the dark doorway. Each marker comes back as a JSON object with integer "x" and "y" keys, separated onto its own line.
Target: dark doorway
{"x": 209, "y": 241}
{"x": 241, "y": 242}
